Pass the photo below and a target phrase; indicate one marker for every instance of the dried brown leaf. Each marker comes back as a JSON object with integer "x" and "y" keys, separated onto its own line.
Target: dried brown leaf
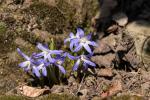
{"x": 32, "y": 91}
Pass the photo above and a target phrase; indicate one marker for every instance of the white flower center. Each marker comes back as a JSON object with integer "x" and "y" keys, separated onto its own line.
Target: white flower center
{"x": 59, "y": 62}
{"x": 83, "y": 40}
{"x": 83, "y": 57}
{"x": 28, "y": 63}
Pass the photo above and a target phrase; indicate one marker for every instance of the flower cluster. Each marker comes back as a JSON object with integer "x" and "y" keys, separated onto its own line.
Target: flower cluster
{"x": 38, "y": 63}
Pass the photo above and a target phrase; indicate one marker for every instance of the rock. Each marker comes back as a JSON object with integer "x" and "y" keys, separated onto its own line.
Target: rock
{"x": 106, "y": 60}
{"x": 107, "y": 72}
{"x": 121, "y": 19}
{"x": 112, "y": 29}
{"x": 132, "y": 58}
{"x": 102, "y": 47}
{"x": 139, "y": 30}
{"x": 145, "y": 54}
{"x": 139, "y": 27}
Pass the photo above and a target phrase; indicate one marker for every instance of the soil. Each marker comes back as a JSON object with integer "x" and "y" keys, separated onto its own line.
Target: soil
{"x": 121, "y": 72}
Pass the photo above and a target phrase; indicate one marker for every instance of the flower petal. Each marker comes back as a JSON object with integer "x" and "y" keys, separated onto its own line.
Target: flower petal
{"x": 38, "y": 55}
{"x": 73, "y": 57}
{"x": 41, "y": 47}
{"x": 71, "y": 35}
{"x": 44, "y": 71}
{"x": 71, "y": 45}
{"x": 66, "y": 40}
{"x": 61, "y": 68}
{"x": 85, "y": 66}
{"x": 89, "y": 62}
{"x": 36, "y": 71}
{"x": 75, "y": 67}
{"x": 78, "y": 48}
{"x": 50, "y": 59}
{"x": 56, "y": 51}
{"x": 89, "y": 36}
{"x": 93, "y": 43}
{"x": 80, "y": 32}
{"x": 24, "y": 64}
{"x": 86, "y": 46}
{"x": 22, "y": 54}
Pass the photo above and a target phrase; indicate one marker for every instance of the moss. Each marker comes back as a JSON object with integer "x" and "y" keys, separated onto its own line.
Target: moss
{"x": 6, "y": 41}
{"x": 27, "y": 36}
{"x": 12, "y": 97}
{"x": 54, "y": 19}
{"x": 127, "y": 97}
{"x": 59, "y": 97}
{"x": 46, "y": 97}
{"x": 3, "y": 28}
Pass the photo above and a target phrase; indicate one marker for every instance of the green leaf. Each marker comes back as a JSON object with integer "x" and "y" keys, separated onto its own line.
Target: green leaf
{"x": 52, "y": 44}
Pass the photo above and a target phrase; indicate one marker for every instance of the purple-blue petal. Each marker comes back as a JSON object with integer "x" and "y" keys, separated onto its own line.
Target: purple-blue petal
{"x": 61, "y": 68}
{"x": 80, "y": 32}
{"x": 38, "y": 55}
{"x": 44, "y": 71}
{"x": 56, "y": 51}
{"x": 22, "y": 54}
{"x": 71, "y": 45}
{"x": 85, "y": 66}
{"x": 78, "y": 48}
{"x": 89, "y": 36}
{"x": 76, "y": 65}
{"x": 23, "y": 64}
{"x": 73, "y": 57}
{"x": 50, "y": 59}
{"x": 66, "y": 40}
{"x": 41, "y": 47}
{"x": 71, "y": 35}
{"x": 89, "y": 62}
{"x": 86, "y": 46}
{"x": 93, "y": 43}
{"x": 36, "y": 71}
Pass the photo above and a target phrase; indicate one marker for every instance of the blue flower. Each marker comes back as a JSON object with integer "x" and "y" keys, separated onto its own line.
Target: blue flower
{"x": 37, "y": 66}
{"x": 26, "y": 65}
{"x": 46, "y": 53}
{"x": 73, "y": 39}
{"x": 40, "y": 68}
{"x": 80, "y": 40}
{"x": 84, "y": 59}
{"x": 58, "y": 61}
{"x": 84, "y": 41}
